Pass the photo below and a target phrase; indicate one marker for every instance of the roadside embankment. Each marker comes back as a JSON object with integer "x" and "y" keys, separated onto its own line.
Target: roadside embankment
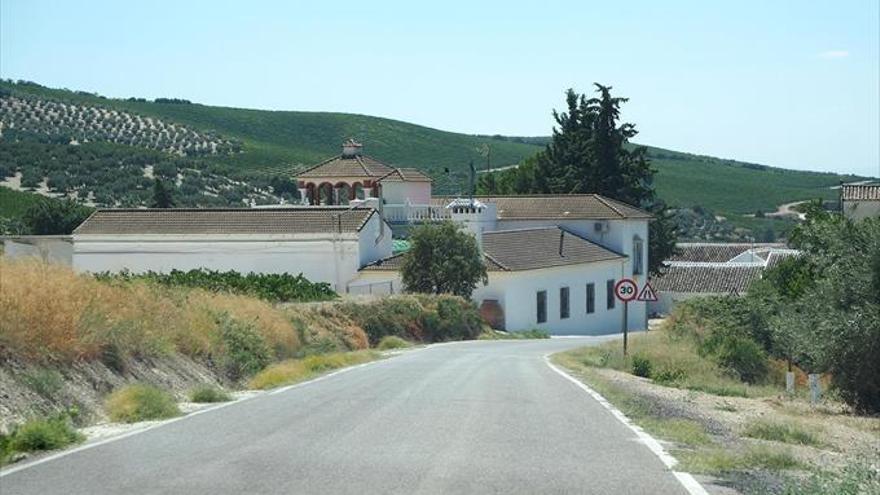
{"x": 68, "y": 340}
{"x": 748, "y": 435}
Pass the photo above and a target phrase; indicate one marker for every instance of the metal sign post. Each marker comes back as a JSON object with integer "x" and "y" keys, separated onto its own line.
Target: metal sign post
{"x": 626, "y": 290}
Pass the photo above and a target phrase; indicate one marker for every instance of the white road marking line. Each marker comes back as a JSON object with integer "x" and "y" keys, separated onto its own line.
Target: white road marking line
{"x": 686, "y": 479}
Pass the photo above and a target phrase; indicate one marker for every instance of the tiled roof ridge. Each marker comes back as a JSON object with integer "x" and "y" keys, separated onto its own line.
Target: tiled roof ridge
{"x": 602, "y": 200}
{"x": 523, "y": 229}
{"x": 494, "y": 260}
{"x": 313, "y": 167}
{"x": 230, "y": 209}
{"x": 715, "y": 264}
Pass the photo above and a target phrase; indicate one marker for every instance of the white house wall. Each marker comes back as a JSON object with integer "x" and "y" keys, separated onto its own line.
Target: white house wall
{"x": 516, "y": 293}
{"x": 375, "y": 241}
{"x": 860, "y": 210}
{"x": 319, "y": 260}
{"x": 417, "y": 193}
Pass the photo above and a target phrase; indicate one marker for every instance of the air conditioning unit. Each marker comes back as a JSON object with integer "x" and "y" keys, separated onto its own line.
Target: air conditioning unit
{"x": 601, "y": 227}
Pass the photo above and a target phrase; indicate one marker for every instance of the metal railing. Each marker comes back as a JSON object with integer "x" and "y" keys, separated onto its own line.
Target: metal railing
{"x": 405, "y": 213}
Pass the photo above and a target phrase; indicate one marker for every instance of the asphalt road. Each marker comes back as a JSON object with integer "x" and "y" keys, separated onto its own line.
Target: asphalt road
{"x": 476, "y": 417}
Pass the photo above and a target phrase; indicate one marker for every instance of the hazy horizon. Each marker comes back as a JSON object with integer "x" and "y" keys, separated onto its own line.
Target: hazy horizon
{"x": 789, "y": 85}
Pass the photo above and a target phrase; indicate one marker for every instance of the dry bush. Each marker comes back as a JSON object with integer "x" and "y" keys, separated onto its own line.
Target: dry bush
{"x": 325, "y": 328}
{"x": 51, "y": 313}
{"x": 270, "y": 323}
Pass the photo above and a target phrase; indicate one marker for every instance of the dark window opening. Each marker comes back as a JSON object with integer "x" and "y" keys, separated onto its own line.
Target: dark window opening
{"x": 563, "y": 303}
{"x": 542, "y": 306}
{"x": 609, "y": 293}
{"x": 591, "y": 298}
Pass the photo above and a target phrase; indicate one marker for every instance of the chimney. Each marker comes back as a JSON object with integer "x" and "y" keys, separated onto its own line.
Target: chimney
{"x": 351, "y": 148}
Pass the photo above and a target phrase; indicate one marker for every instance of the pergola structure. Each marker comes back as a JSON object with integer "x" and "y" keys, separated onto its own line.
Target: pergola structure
{"x": 348, "y": 176}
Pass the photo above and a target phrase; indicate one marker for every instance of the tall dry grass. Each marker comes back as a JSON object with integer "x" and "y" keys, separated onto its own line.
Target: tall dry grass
{"x": 49, "y": 312}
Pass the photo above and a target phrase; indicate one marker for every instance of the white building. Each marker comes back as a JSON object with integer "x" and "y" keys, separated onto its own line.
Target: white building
{"x": 713, "y": 269}
{"x": 860, "y": 201}
{"x": 325, "y": 244}
{"x": 552, "y": 261}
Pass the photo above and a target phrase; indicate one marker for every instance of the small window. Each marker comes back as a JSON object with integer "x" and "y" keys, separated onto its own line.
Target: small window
{"x": 609, "y": 293}
{"x": 591, "y": 298}
{"x": 542, "y": 306}
{"x": 563, "y": 303}
{"x": 638, "y": 255}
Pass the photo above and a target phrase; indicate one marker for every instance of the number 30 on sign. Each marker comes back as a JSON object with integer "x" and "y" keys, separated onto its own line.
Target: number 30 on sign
{"x": 626, "y": 289}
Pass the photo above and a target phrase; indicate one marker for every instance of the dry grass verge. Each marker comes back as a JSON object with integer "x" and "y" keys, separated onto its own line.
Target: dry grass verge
{"x": 761, "y": 443}
{"x": 135, "y": 403}
{"x": 298, "y": 370}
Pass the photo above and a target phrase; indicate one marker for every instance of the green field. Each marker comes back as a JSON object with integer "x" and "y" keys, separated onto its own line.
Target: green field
{"x": 281, "y": 142}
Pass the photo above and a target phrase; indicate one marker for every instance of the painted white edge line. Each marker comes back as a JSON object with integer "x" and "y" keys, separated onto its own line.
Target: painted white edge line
{"x": 91, "y": 445}
{"x": 690, "y": 484}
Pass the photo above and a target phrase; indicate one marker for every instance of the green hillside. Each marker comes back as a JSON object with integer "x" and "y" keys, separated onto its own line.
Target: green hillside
{"x": 282, "y": 141}
{"x": 252, "y": 146}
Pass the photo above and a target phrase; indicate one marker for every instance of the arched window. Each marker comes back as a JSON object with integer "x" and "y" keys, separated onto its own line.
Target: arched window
{"x": 638, "y": 255}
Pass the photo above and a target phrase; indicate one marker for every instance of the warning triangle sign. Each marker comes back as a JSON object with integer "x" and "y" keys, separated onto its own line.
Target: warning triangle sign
{"x": 647, "y": 294}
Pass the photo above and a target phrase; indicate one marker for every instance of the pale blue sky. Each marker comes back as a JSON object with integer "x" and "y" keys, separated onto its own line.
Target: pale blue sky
{"x": 786, "y": 83}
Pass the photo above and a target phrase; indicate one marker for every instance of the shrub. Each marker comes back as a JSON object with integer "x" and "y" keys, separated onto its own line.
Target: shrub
{"x": 398, "y": 316}
{"x": 453, "y": 319}
{"x": 669, "y": 374}
{"x": 269, "y": 286}
{"x": 389, "y": 342}
{"x": 245, "y": 350}
{"x": 134, "y": 403}
{"x": 781, "y": 432}
{"x": 641, "y": 366}
{"x": 209, "y": 394}
{"x": 46, "y": 382}
{"x": 745, "y": 358}
{"x": 297, "y": 370}
{"x": 43, "y": 434}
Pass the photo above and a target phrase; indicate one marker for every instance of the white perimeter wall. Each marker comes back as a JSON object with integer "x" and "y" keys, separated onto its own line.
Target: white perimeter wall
{"x": 318, "y": 260}
{"x": 334, "y": 259}
{"x": 50, "y": 250}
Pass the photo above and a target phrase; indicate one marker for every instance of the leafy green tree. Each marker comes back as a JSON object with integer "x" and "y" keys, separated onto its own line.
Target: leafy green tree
{"x": 443, "y": 259}
{"x": 828, "y": 316}
{"x": 161, "y": 196}
{"x": 55, "y": 217}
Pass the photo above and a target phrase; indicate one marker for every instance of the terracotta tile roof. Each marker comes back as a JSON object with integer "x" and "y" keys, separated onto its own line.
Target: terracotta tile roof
{"x": 558, "y": 207}
{"x": 347, "y": 166}
{"x": 530, "y": 249}
{"x": 406, "y": 175}
{"x": 705, "y": 252}
{"x": 776, "y": 257}
{"x": 861, "y": 192}
{"x": 301, "y": 220}
{"x": 526, "y": 249}
{"x": 708, "y": 278}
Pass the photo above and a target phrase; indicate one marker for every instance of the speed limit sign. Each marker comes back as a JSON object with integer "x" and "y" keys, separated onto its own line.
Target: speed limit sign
{"x": 626, "y": 290}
